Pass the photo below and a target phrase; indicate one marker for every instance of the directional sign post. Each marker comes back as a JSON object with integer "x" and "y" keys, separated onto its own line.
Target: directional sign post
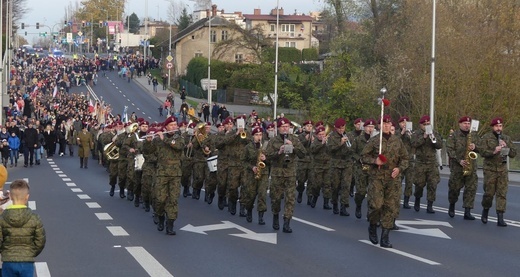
{"x": 262, "y": 237}
{"x": 212, "y": 84}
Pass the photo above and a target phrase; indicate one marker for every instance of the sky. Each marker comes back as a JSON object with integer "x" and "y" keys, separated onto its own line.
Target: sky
{"x": 51, "y": 12}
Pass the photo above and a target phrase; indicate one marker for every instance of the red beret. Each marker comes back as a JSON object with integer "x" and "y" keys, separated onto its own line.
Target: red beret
{"x": 496, "y": 120}
{"x": 465, "y": 119}
{"x": 183, "y": 124}
{"x": 219, "y": 125}
{"x": 169, "y": 120}
{"x": 340, "y": 122}
{"x": 227, "y": 120}
{"x": 140, "y": 119}
{"x": 208, "y": 123}
{"x": 424, "y": 118}
{"x": 152, "y": 131}
{"x": 283, "y": 121}
{"x": 358, "y": 120}
{"x": 387, "y": 118}
{"x": 320, "y": 129}
{"x": 370, "y": 121}
{"x": 256, "y": 130}
{"x": 319, "y": 123}
{"x": 307, "y": 122}
{"x": 192, "y": 125}
{"x": 126, "y": 124}
{"x": 255, "y": 124}
{"x": 270, "y": 126}
{"x": 404, "y": 118}
{"x": 144, "y": 122}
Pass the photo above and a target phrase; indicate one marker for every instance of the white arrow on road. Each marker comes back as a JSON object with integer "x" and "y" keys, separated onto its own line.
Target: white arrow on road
{"x": 262, "y": 237}
{"x": 432, "y": 232}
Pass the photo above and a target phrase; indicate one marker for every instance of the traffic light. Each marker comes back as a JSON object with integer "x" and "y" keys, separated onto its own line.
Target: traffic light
{"x": 23, "y": 25}
{"x": 37, "y": 25}
{"x": 83, "y": 23}
{"x": 26, "y": 33}
{"x": 65, "y": 22}
{"x": 54, "y": 37}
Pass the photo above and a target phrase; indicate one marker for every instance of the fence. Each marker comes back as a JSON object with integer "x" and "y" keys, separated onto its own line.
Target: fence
{"x": 195, "y": 91}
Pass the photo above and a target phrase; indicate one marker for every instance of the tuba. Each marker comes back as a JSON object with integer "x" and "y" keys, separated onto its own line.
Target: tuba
{"x": 470, "y": 155}
{"x": 201, "y": 135}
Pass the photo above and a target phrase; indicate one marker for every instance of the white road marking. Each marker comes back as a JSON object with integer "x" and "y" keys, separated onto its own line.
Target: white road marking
{"x": 128, "y": 99}
{"x": 83, "y": 196}
{"x": 103, "y": 216}
{"x": 66, "y": 179}
{"x": 62, "y": 175}
{"x": 117, "y": 231}
{"x": 51, "y": 161}
{"x": 53, "y": 165}
{"x": 148, "y": 262}
{"x": 56, "y": 169}
{"x": 76, "y": 190}
{"x": 32, "y": 205}
{"x": 313, "y": 224}
{"x": 59, "y": 172}
{"x": 71, "y": 184}
{"x": 402, "y": 253}
{"x": 42, "y": 270}
{"x": 93, "y": 205}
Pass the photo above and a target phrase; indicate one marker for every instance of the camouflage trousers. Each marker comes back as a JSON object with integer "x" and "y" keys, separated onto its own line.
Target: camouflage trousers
{"x": 147, "y": 179}
{"x": 339, "y": 184}
{"x": 211, "y": 182}
{"x": 281, "y": 185}
{"x": 495, "y": 186}
{"x": 138, "y": 184}
{"x": 166, "y": 191}
{"x": 303, "y": 172}
{"x": 407, "y": 176}
{"x": 234, "y": 178}
{"x": 457, "y": 182}
{"x": 187, "y": 170}
{"x": 383, "y": 201}
{"x": 130, "y": 176}
{"x": 254, "y": 189}
{"x": 426, "y": 175}
{"x": 122, "y": 167}
{"x": 200, "y": 172}
{"x": 362, "y": 179}
{"x": 112, "y": 166}
{"x": 319, "y": 178}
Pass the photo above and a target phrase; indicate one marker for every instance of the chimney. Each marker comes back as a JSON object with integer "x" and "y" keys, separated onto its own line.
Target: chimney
{"x": 214, "y": 10}
{"x": 222, "y": 11}
{"x": 273, "y": 11}
{"x": 258, "y": 12}
{"x": 208, "y": 13}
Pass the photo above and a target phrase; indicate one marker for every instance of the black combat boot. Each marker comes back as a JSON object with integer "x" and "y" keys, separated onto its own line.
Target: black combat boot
{"x": 406, "y": 205}
{"x": 210, "y": 198}
{"x": 451, "y": 211}
{"x": 196, "y": 194}
{"x": 299, "y": 198}
{"x": 137, "y": 201}
{"x": 221, "y": 202}
{"x": 147, "y": 206}
{"x": 160, "y": 224}
{"x": 372, "y": 234}
{"x": 232, "y": 207}
{"x": 395, "y": 227}
{"x": 155, "y": 219}
{"x": 309, "y": 200}
{"x": 130, "y": 196}
{"x": 314, "y": 199}
{"x": 358, "y": 211}
{"x": 206, "y": 195}
{"x": 122, "y": 192}
{"x": 169, "y": 227}
{"x": 417, "y": 204}
{"x": 286, "y": 225}
{"x": 249, "y": 216}
{"x": 186, "y": 191}
{"x": 112, "y": 189}
{"x": 326, "y": 205}
{"x": 484, "y": 216}
{"x": 80, "y": 162}
{"x": 468, "y": 215}
{"x": 276, "y": 223}
{"x": 335, "y": 209}
{"x": 385, "y": 241}
{"x": 429, "y": 208}
{"x": 343, "y": 211}
{"x": 85, "y": 162}
{"x": 242, "y": 212}
{"x": 500, "y": 220}
{"x": 261, "y": 218}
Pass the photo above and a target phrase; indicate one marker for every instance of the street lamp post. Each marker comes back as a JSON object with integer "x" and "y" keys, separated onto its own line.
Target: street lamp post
{"x": 1, "y": 64}
{"x": 276, "y": 58}
{"x": 209, "y": 61}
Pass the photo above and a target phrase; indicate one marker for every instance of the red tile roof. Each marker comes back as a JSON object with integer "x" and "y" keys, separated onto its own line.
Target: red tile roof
{"x": 282, "y": 17}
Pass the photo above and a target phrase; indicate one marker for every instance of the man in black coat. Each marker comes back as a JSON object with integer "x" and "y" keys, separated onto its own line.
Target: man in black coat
{"x": 30, "y": 138}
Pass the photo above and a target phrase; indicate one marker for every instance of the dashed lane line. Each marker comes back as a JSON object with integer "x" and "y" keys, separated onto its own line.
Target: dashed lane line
{"x": 71, "y": 184}
{"x": 76, "y": 190}
{"x": 93, "y": 205}
{"x": 83, "y": 196}
{"x": 103, "y": 216}
{"x": 117, "y": 231}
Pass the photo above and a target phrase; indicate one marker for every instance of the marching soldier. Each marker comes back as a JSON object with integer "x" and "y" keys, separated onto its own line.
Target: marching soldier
{"x": 387, "y": 158}
{"x": 361, "y": 172}
{"x": 114, "y": 164}
{"x": 463, "y": 169}
{"x": 170, "y": 148}
{"x": 320, "y": 168}
{"x": 223, "y": 161}
{"x": 130, "y": 148}
{"x": 211, "y": 182}
{"x": 426, "y": 169}
{"x": 406, "y": 137}
{"x": 201, "y": 150}
{"x": 358, "y": 130}
{"x": 496, "y": 148}
{"x": 187, "y": 159}
{"x": 85, "y": 143}
{"x": 122, "y": 162}
{"x": 149, "y": 168}
{"x": 282, "y": 151}
{"x": 303, "y": 166}
{"x": 339, "y": 147}
{"x": 138, "y": 172}
{"x": 255, "y": 172}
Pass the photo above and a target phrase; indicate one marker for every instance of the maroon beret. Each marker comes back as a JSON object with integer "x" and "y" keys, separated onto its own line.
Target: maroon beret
{"x": 283, "y": 121}
{"x": 387, "y": 118}
{"x": 219, "y": 125}
{"x": 169, "y": 120}
{"x": 370, "y": 121}
{"x": 255, "y": 124}
{"x": 208, "y": 123}
{"x": 256, "y": 130}
{"x": 424, "y": 118}
{"x": 404, "y": 118}
{"x": 152, "y": 130}
{"x": 270, "y": 126}
{"x": 358, "y": 120}
{"x": 465, "y": 119}
{"x": 496, "y": 120}
{"x": 144, "y": 122}
{"x": 340, "y": 122}
{"x": 320, "y": 129}
{"x": 307, "y": 122}
{"x": 319, "y": 123}
{"x": 140, "y": 119}
{"x": 183, "y": 124}
{"x": 227, "y": 120}
{"x": 192, "y": 125}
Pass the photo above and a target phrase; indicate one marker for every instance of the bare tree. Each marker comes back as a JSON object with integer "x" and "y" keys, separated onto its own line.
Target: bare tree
{"x": 202, "y": 4}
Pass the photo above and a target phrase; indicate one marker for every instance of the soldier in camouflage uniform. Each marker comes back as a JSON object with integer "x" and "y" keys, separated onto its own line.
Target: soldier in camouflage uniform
{"x": 187, "y": 159}
{"x": 223, "y": 161}
{"x": 358, "y": 130}
{"x": 114, "y": 164}
{"x": 122, "y": 162}
{"x": 283, "y": 172}
{"x": 495, "y": 147}
{"x": 303, "y": 166}
{"x": 130, "y": 148}
{"x": 320, "y": 168}
{"x": 104, "y": 139}
{"x": 211, "y": 177}
{"x": 170, "y": 148}
{"x": 407, "y": 175}
{"x": 149, "y": 151}
{"x": 200, "y": 165}
{"x": 458, "y": 148}
{"x": 255, "y": 184}
{"x": 340, "y": 149}
{"x": 138, "y": 148}
{"x": 384, "y": 188}
{"x": 426, "y": 168}
{"x": 361, "y": 171}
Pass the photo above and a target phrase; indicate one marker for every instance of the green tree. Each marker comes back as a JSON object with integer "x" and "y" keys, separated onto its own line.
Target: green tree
{"x": 134, "y": 23}
{"x": 184, "y": 20}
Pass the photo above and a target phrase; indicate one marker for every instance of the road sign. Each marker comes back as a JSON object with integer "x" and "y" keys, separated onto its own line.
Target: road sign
{"x": 204, "y": 84}
{"x": 69, "y": 37}
{"x": 169, "y": 58}
{"x": 80, "y": 33}
{"x": 262, "y": 237}
{"x": 169, "y": 65}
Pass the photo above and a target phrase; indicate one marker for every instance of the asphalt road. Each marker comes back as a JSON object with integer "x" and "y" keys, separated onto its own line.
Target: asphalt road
{"x": 90, "y": 233}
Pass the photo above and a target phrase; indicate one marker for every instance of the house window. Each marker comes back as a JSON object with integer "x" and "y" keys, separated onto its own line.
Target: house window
{"x": 213, "y": 36}
{"x": 290, "y": 44}
{"x": 239, "y": 58}
{"x": 273, "y": 28}
{"x": 288, "y": 28}
{"x": 224, "y": 35}
{"x": 197, "y": 55}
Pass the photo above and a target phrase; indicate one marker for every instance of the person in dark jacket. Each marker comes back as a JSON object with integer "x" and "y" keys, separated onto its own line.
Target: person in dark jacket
{"x": 30, "y": 138}
{"x": 50, "y": 140}
{"x": 22, "y": 235}
{"x": 61, "y": 136}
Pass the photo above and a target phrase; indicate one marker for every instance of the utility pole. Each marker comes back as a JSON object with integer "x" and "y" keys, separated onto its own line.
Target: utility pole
{"x": 1, "y": 65}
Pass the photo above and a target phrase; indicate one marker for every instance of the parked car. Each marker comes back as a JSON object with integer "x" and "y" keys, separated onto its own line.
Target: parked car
{"x": 38, "y": 48}
{"x": 57, "y": 53}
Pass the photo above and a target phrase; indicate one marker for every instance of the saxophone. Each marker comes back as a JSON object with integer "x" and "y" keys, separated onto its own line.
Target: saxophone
{"x": 259, "y": 164}
{"x": 469, "y": 156}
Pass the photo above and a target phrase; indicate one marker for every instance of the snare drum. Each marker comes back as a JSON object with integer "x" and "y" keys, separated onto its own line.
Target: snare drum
{"x": 212, "y": 163}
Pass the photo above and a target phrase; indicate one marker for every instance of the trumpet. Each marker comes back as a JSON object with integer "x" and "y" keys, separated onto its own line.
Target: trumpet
{"x": 347, "y": 143}
{"x": 243, "y": 135}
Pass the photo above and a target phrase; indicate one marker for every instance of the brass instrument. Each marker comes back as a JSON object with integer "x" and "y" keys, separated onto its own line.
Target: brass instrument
{"x": 111, "y": 151}
{"x": 132, "y": 128}
{"x": 470, "y": 155}
{"x": 201, "y": 135}
{"x": 193, "y": 119}
{"x": 155, "y": 134}
{"x": 243, "y": 135}
{"x": 259, "y": 163}
{"x": 347, "y": 143}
